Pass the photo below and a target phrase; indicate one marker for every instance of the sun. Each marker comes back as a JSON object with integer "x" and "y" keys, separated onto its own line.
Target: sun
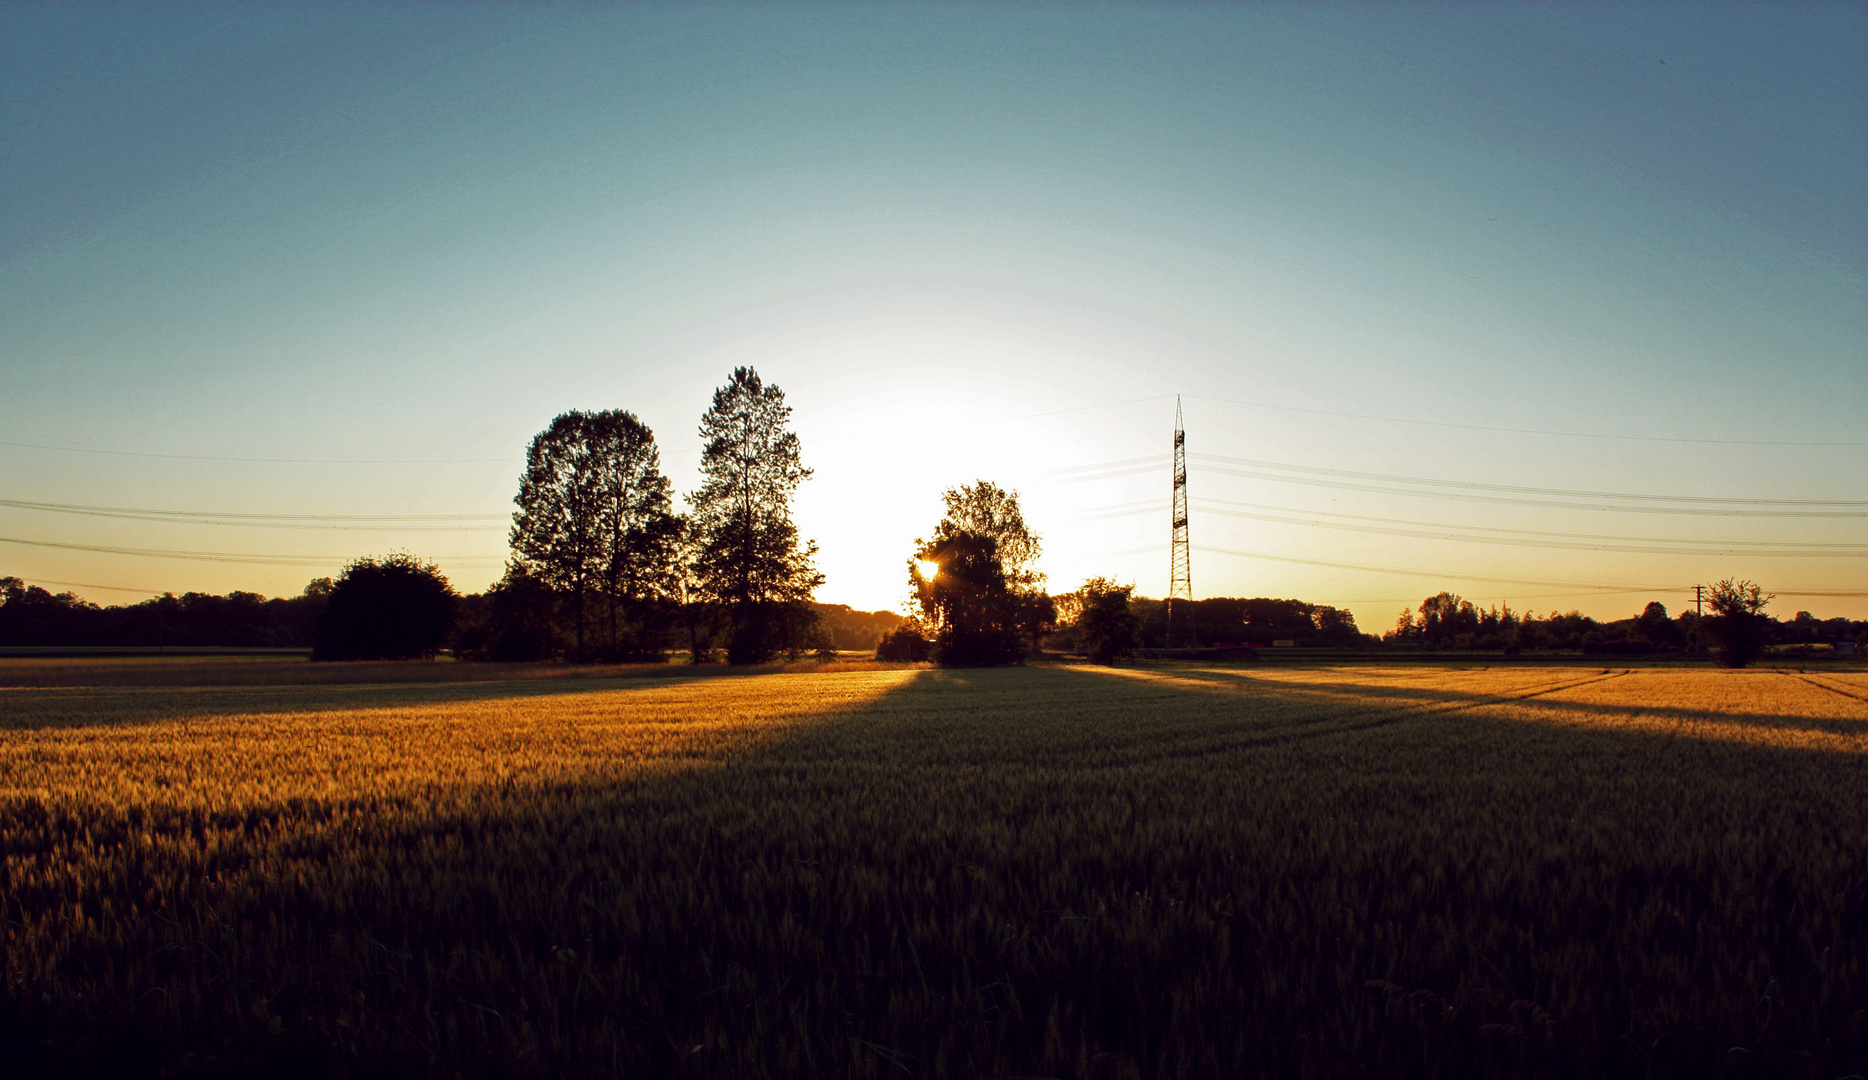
{"x": 928, "y": 569}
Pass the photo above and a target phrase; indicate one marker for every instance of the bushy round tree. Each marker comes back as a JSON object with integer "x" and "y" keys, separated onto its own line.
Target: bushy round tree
{"x": 904, "y": 644}
{"x": 1737, "y": 622}
{"x": 1108, "y": 629}
{"x": 976, "y": 579}
{"x": 393, "y": 608}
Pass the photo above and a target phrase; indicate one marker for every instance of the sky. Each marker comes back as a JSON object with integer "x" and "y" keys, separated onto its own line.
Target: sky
{"x": 306, "y": 279}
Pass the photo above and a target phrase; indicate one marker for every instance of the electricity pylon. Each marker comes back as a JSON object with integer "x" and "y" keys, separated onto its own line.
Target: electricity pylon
{"x": 1180, "y": 571}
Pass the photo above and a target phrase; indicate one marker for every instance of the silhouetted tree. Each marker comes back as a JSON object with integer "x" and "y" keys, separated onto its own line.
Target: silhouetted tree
{"x": 1336, "y": 626}
{"x": 517, "y": 621}
{"x": 557, "y": 534}
{"x": 970, "y": 614}
{"x": 904, "y": 644}
{"x": 984, "y": 592}
{"x": 985, "y": 509}
{"x": 638, "y": 534}
{"x": 1106, "y": 628}
{"x": 1737, "y": 622}
{"x": 747, "y": 557}
{"x": 393, "y": 608}
{"x": 1037, "y": 617}
{"x": 1656, "y": 627}
{"x": 700, "y": 614}
{"x": 594, "y": 523}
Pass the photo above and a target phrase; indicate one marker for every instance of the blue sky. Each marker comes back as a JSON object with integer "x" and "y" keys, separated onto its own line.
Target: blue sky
{"x": 391, "y": 243}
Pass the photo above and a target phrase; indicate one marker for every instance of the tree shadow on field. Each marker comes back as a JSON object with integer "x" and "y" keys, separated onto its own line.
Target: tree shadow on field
{"x": 161, "y": 670}
{"x": 31, "y": 708}
{"x": 1031, "y": 871}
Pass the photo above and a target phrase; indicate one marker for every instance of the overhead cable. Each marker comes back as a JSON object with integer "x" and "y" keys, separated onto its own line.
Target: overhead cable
{"x": 343, "y": 522}
{"x": 1149, "y": 459}
{"x": 1449, "y": 575}
{"x": 1077, "y": 409}
{"x": 1460, "y": 496}
{"x": 1511, "y": 537}
{"x": 88, "y": 585}
{"x": 239, "y": 557}
{"x": 1524, "y": 431}
{"x": 1312, "y": 476}
{"x": 1520, "y": 489}
{"x": 1511, "y": 541}
{"x": 265, "y": 460}
{"x": 1845, "y": 548}
{"x": 1715, "y": 508}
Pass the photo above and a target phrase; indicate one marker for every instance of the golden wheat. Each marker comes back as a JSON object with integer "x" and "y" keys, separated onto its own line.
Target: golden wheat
{"x": 1062, "y": 871}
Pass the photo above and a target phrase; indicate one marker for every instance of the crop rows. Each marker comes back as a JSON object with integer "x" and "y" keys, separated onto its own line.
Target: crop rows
{"x": 1053, "y": 871}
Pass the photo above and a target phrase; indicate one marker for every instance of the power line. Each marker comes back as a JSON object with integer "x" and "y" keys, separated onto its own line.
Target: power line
{"x": 349, "y": 522}
{"x": 1605, "y": 590}
{"x": 476, "y": 561}
{"x": 264, "y": 460}
{"x": 1520, "y": 431}
{"x": 253, "y": 517}
{"x": 1080, "y": 408}
{"x": 1084, "y": 474}
{"x": 88, "y": 585}
{"x": 1148, "y": 459}
{"x": 1522, "y": 489}
{"x": 1589, "y": 541}
{"x": 1605, "y": 544}
{"x": 1686, "y": 511}
{"x": 1445, "y": 574}
{"x": 1712, "y": 505}
{"x": 1122, "y": 510}
{"x": 1506, "y": 541}
{"x": 1852, "y": 548}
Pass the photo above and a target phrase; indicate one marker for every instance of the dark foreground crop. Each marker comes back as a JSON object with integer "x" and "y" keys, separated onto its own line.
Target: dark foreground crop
{"x": 1062, "y": 872}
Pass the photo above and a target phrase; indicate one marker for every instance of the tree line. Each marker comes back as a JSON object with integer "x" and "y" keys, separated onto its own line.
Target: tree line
{"x": 603, "y": 567}
{"x": 31, "y": 615}
{"x": 1101, "y": 619}
{"x": 1735, "y": 630}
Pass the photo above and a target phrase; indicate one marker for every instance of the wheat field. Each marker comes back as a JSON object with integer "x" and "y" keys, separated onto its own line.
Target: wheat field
{"x": 1153, "y": 871}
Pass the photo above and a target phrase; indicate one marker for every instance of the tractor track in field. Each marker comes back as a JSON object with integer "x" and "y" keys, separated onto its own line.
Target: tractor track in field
{"x": 1802, "y": 677}
{"x": 1368, "y": 719}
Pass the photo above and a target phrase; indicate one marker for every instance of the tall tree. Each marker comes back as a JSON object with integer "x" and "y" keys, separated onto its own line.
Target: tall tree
{"x": 556, "y": 534}
{"x": 748, "y": 559}
{"x": 594, "y": 519}
{"x": 638, "y": 533}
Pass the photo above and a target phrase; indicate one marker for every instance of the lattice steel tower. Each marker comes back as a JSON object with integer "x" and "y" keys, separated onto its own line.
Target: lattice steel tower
{"x": 1180, "y": 573}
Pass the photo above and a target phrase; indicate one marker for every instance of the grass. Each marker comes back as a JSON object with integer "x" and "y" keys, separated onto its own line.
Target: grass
{"x": 1158, "y": 871}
